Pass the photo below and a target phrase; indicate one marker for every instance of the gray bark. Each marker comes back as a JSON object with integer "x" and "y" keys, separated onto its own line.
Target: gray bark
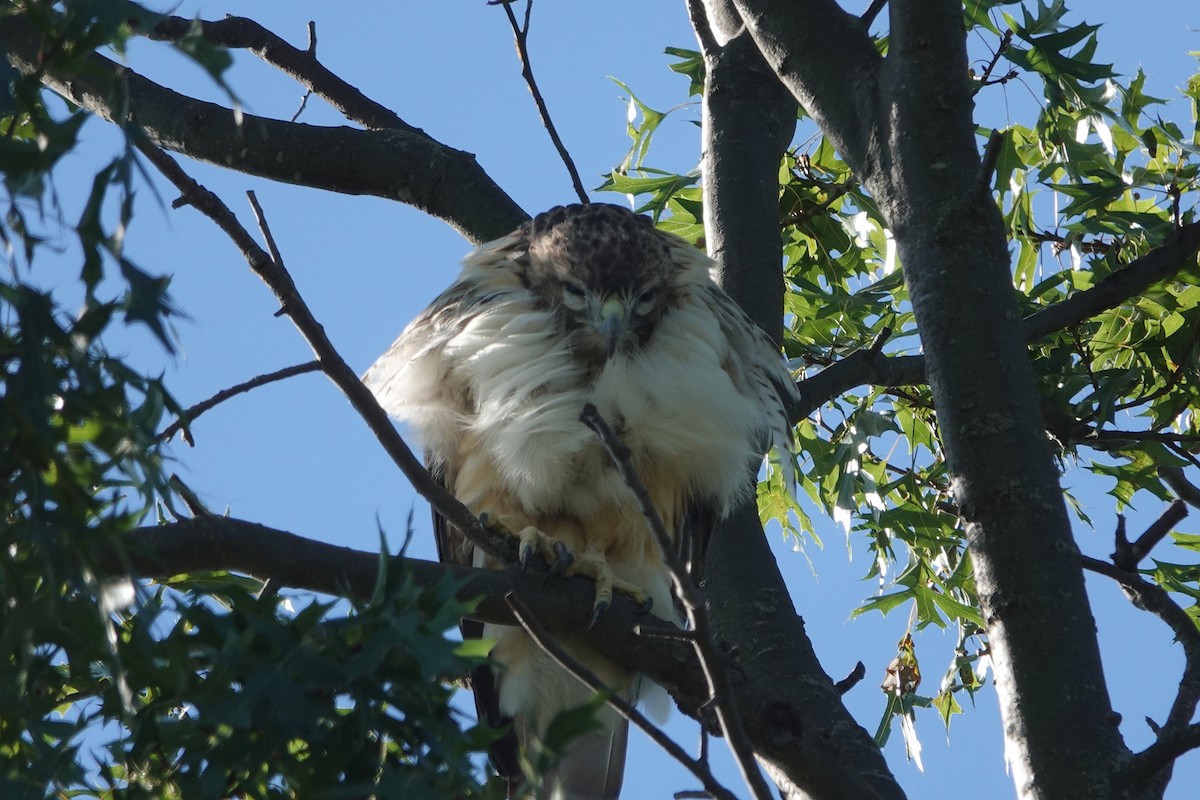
{"x": 805, "y": 739}
{"x": 904, "y": 124}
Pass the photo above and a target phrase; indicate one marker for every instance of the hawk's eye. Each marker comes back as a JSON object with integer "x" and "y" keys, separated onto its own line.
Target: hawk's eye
{"x": 645, "y": 302}
{"x": 573, "y": 295}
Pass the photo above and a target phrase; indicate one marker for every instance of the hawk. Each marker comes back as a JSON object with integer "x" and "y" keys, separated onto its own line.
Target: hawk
{"x": 584, "y": 304}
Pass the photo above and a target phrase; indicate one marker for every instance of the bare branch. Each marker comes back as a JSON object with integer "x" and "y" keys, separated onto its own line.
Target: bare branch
{"x": 684, "y": 587}
{"x": 825, "y": 58}
{"x": 1163, "y": 752}
{"x": 539, "y": 634}
{"x": 860, "y": 368}
{"x": 850, "y": 681}
{"x": 189, "y": 415}
{"x": 991, "y": 153}
{"x": 986, "y": 78}
{"x": 715, "y": 673}
{"x": 1153, "y": 598}
{"x": 300, "y": 65}
{"x": 1129, "y": 555}
{"x": 521, "y": 36}
{"x": 401, "y": 164}
{"x": 864, "y": 367}
{"x": 333, "y": 365}
{"x": 698, "y": 16}
{"x": 189, "y": 498}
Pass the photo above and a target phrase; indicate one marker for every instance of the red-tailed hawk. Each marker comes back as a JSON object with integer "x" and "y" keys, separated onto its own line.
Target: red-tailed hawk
{"x": 584, "y": 304}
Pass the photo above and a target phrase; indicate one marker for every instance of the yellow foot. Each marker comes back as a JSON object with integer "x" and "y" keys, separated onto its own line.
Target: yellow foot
{"x": 592, "y": 563}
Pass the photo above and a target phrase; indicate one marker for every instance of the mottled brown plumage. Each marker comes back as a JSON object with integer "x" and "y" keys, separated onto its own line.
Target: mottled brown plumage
{"x": 584, "y": 304}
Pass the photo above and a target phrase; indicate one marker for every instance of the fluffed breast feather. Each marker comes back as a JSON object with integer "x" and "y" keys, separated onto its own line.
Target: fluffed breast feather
{"x": 701, "y": 399}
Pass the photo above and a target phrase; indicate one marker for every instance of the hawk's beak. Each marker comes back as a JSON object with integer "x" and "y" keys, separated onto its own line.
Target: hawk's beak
{"x": 612, "y": 323}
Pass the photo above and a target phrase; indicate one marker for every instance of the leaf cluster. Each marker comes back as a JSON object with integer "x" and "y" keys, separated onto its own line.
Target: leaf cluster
{"x": 1100, "y": 176}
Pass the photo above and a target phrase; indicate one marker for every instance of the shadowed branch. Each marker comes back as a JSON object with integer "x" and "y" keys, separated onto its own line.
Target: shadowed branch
{"x": 711, "y": 662}
{"x": 398, "y": 163}
{"x": 698, "y": 767}
{"x": 276, "y": 277}
{"x": 190, "y": 414}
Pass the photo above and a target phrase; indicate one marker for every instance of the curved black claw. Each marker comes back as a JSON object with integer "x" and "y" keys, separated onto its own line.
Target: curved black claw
{"x": 644, "y": 607}
{"x": 597, "y": 610}
{"x": 524, "y": 556}
{"x": 563, "y": 559}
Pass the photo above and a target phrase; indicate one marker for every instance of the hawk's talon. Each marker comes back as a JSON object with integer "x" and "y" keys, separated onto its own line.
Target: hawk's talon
{"x": 598, "y": 609}
{"x": 591, "y": 563}
{"x": 645, "y": 606}
{"x": 564, "y": 555}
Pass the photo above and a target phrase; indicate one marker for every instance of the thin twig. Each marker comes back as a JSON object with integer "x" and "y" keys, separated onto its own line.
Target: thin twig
{"x": 622, "y": 706}
{"x": 189, "y": 497}
{"x": 300, "y": 65}
{"x": 1128, "y": 555}
{"x": 1155, "y": 599}
{"x": 265, "y": 229}
{"x": 189, "y": 415}
{"x": 303, "y": 105}
{"x": 1167, "y": 748}
{"x": 332, "y": 364}
{"x": 684, "y": 587}
{"x": 521, "y": 35}
{"x": 850, "y": 681}
{"x": 711, "y": 661}
{"x": 986, "y": 78}
{"x": 1061, "y": 243}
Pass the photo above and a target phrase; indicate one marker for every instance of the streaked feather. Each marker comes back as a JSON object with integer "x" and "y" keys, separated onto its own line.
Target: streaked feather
{"x": 492, "y": 378}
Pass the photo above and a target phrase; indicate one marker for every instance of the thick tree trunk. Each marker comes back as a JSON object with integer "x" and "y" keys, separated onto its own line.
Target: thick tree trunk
{"x": 905, "y": 125}
{"x": 815, "y": 748}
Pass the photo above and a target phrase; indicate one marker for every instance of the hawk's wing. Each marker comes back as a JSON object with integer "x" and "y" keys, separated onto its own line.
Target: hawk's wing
{"x": 390, "y": 378}
{"x": 493, "y": 377}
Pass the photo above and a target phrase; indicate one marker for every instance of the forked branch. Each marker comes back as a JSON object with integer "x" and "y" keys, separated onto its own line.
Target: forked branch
{"x": 521, "y": 37}
{"x": 277, "y": 278}
{"x": 698, "y": 767}
{"x": 190, "y": 414}
{"x": 711, "y": 661}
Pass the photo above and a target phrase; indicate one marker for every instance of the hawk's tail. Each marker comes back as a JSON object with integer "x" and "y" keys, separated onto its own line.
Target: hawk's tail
{"x": 594, "y": 764}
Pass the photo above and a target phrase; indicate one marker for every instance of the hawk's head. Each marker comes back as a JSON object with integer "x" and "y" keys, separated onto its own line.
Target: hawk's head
{"x": 607, "y": 269}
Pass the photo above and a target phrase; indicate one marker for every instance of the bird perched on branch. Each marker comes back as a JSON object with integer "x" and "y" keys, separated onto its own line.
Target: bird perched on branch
{"x": 584, "y": 304}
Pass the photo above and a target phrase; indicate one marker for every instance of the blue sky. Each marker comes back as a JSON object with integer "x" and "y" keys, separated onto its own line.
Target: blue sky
{"x": 295, "y": 456}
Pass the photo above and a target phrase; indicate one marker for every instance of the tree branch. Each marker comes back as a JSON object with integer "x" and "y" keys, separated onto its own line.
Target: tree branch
{"x": 189, "y": 415}
{"x": 825, "y": 57}
{"x": 300, "y": 65}
{"x": 1153, "y": 598}
{"x": 333, "y": 365}
{"x": 564, "y": 605}
{"x": 698, "y": 767}
{"x": 1184, "y": 489}
{"x": 716, "y": 675}
{"x": 814, "y": 748}
{"x": 404, "y": 165}
{"x": 521, "y": 37}
{"x": 1176, "y": 252}
{"x": 1128, "y": 554}
{"x": 866, "y": 368}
